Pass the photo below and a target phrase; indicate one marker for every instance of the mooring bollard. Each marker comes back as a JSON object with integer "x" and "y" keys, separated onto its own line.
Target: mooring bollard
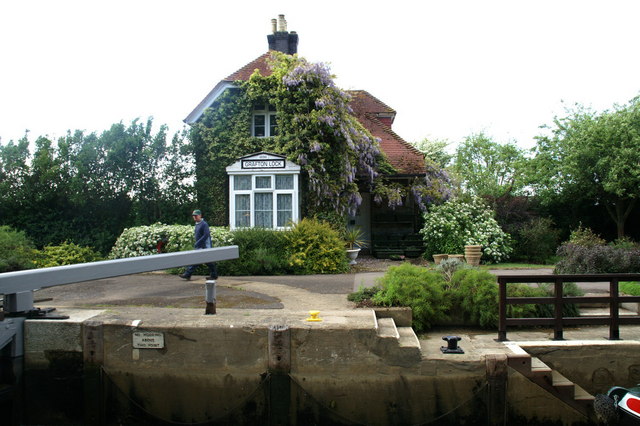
{"x": 210, "y": 297}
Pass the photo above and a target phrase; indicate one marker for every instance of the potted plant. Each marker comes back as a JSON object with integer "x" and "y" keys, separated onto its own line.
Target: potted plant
{"x": 353, "y": 238}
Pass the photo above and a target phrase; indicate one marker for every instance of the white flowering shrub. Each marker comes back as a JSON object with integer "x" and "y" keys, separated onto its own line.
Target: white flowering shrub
{"x": 457, "y": 223}
{"x": 146, "y": 240}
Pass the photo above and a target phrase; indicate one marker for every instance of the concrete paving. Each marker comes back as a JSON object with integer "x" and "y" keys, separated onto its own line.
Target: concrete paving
{"x": 291, "y": 292}
{"x": 286, "y": 294}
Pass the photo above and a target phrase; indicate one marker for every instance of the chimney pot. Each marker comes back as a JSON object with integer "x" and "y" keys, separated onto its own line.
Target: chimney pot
{"x": 282, "y": 40}
{"x": 282, "y": 24}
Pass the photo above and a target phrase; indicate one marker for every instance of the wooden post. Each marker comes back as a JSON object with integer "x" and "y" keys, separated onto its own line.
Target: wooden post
{"x": 614, "y": 324}
{"x": 93, "y": 357}
{"x": 279, "y": 388}
{"x": 558, "y": 330}
{"x": 497, "y": 375}
{"x": 502, "y": 310}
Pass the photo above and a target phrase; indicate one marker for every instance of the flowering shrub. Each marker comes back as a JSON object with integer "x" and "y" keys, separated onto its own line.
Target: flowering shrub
{"x": 146, "y": 240}
{"x": 456, "y": 223}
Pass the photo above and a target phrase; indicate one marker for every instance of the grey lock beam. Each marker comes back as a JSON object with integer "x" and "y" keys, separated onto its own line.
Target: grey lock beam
{"x": 22, "y": 281}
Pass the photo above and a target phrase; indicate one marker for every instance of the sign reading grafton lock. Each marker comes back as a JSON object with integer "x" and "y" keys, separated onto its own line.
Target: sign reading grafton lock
{"x": 263, "y": 164}
{"x": 148, "y": 340}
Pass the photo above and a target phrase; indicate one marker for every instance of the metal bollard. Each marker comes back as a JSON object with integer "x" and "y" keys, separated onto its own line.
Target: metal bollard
{"x": 452, "y": 345}
{"x": 210, "y": 297}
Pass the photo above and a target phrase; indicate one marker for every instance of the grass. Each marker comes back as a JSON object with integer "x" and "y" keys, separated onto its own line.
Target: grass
{"x": 517, "y": 266}
{"x": 630, "y": 288}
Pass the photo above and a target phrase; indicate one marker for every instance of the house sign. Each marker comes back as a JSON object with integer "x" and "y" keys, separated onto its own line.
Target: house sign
{"x": 263, "y": 164}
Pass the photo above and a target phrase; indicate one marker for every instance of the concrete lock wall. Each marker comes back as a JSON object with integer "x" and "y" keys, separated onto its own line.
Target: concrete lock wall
{"x": 222, "y": 368}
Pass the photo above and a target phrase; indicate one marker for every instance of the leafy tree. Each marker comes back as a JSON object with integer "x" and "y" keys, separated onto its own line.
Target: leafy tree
{"x": 435, "y": 150}
{"x": 594, "y": 157}
{"x": 87, "y": 188}
{"x": 489, "y": 169}
{"x": 14, "y": 170}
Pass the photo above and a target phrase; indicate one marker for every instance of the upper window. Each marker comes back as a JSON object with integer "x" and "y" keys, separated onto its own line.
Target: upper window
{"x": 264, "y": 121}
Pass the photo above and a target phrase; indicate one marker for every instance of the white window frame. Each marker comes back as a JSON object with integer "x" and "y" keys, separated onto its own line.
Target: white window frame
{"x": 295, "y": 207}
{"x": 268, "y": 115}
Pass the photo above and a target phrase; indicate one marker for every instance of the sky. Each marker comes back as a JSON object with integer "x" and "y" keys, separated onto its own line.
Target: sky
{"x": 448, "y": 68}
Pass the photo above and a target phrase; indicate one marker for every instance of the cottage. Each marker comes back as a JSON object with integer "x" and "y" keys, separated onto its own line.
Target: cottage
{"x": 263, "y": 188}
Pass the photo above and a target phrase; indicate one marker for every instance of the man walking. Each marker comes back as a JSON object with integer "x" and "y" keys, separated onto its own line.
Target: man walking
{"x": 203, "y": 240}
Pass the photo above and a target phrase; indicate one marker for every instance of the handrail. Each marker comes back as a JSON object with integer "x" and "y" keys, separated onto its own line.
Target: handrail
{"x": 558, "y": 300}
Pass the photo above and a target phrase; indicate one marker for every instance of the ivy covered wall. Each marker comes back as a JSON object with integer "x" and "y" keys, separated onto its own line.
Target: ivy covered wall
{"x": 339, "y": 158}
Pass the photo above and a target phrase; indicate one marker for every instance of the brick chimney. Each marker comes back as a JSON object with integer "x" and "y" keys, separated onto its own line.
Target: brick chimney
{"x": 282, "y": 40}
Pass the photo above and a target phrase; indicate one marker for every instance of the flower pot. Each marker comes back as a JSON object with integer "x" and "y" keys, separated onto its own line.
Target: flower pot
{"x": 472, "y": 250}
{"x": 353, "y": 255}
{"x": 473, "y": 260}
{"x": 437, "y": 258}
{"x": 460, "y": 257}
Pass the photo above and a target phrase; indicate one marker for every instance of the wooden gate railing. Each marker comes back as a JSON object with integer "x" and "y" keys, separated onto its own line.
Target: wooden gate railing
{"x": 558, "y": 300}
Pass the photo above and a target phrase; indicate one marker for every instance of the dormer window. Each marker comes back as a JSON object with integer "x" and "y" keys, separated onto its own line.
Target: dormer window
{"x": 264, "y": 121}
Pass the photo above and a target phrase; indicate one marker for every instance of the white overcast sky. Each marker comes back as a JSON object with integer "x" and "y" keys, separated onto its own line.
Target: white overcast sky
{"x": 449, "y": 68}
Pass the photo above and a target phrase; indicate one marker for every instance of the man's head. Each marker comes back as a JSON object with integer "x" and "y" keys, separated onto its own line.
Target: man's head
{"x": 197, "y": 215}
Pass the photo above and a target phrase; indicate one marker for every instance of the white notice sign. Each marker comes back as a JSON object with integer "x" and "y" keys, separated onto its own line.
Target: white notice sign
{"x": 148, "y": 340}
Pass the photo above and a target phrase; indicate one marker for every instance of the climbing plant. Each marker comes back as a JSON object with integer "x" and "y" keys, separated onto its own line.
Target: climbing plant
{"x": 316, "y": 129}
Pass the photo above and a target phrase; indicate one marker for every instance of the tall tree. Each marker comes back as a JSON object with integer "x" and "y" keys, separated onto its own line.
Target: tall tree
{"x": 435, "y": 150}
{"x": 489, "y": 169}
{"x": 595, "y": 157}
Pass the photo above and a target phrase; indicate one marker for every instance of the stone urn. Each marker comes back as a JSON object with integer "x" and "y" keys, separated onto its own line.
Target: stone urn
{"x": 352, "y": 254}
{"x": 437, "y": 258}
{"x": 472, "y": 254}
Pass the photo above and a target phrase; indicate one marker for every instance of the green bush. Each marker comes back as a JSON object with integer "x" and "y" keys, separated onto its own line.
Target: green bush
{"x": 262, "y": 252}
{"x": 66, "y": 254}
{"x": 625, "y": 243}
{"x": 145, "y": 240}
{"x": 16, "y": 250}
{"x": 315, "y": 248}
{"x": 585, "y": 237}
{"x": 537, "y": 240}
{"x": 364, "y": 294}
{"x": 457, "y": 223}
{"x": 475, "y": 294}
{"x": 597, "y": 259}
{"x": 418, "y": 288}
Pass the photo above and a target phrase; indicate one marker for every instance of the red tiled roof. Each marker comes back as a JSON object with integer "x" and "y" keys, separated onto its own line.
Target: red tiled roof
{"x": 375, "y": 116}
{"x": 260, "y": 63}
{"x": 403, "y": 156}
{"x": 363, "y": 101}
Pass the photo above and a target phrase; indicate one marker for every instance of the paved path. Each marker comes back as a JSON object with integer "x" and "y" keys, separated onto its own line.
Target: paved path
{"x": 291, "y": 292}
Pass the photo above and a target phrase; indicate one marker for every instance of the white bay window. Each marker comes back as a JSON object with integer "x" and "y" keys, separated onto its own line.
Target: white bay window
{"x": 263, "y": 192}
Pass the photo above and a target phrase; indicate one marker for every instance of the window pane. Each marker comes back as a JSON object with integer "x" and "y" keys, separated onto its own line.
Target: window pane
{"x": 243, "y": 210}
{"x": 263, "y": 182}
{"x": 241, "y": 183}
{"x": 259, "y": 125}
{"x": 273, "y": 125}
{"x": 285, "y": 208}
{"x": 272, "y": 107}
{"x": 284, "y": 181}
{"x": 264, "y": 210}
